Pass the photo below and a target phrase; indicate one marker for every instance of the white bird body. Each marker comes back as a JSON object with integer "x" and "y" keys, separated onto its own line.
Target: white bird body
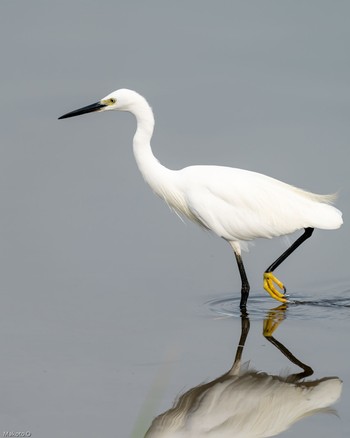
{"x": 248, "y": 405}
{"x": 240, "y": 205}
{"x": 237, "y": 205}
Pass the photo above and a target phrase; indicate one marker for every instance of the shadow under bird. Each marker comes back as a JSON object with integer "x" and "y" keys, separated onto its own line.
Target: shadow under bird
{"x": 237, "y": 205}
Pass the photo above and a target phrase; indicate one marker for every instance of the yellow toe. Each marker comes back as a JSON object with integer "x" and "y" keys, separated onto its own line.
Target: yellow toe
{"x": 273, "y": 319}
{"x": 269, "y": 285}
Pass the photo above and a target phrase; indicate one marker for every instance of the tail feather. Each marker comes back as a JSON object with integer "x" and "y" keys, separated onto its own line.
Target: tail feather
{"x": 324, "y": 199}
{"x": 328, "y": 217}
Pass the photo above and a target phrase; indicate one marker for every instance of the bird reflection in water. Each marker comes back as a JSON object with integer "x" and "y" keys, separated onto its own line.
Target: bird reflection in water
{"x": 247, "y": 403}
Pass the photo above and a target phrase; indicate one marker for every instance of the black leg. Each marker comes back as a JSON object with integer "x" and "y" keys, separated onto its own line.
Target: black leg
{"x": 245, "y": 284}
{"x": 271, "y": 322}
{"x": 245, "y": 326}
{"x": 308, "y": 232}
{"x": 308, "y": 371}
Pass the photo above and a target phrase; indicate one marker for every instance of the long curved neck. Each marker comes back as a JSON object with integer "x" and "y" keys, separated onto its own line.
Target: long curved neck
{"x": 152, "y": 171}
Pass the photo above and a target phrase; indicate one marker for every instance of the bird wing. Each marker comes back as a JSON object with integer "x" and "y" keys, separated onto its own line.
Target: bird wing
{"x": 243, "y": 205}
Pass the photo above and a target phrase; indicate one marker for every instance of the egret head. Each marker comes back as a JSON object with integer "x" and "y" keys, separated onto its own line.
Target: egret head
{"x": 122, "y": 100}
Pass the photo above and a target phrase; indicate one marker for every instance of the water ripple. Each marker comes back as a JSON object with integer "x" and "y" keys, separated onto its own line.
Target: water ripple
{"x": 301, "y": 307}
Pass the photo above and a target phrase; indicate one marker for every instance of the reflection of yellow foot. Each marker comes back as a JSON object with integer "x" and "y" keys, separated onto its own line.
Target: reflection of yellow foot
{"x": 273, "y": 319}
{"x": 269, "y": 285}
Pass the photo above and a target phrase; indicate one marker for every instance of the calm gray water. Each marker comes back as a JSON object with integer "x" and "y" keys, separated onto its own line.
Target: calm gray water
{"x": 111, "y": 307}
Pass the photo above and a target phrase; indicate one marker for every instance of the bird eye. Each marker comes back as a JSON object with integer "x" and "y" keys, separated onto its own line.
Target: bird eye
{"x": 112, "y": 100}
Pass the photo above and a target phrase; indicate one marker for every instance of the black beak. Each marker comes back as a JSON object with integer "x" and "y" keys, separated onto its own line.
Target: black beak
{"x": 86, "y": 109}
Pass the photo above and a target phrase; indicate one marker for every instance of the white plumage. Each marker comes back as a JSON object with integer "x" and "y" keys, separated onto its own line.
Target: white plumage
{"x": 240, "y": 205}
{"x": 248, "y": 405}
{"x": 237, "y": 205}
{"x": 244, "y": 403}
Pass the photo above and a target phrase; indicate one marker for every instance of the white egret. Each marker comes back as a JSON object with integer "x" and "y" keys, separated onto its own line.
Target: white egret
{"x": 247, "y": 403}
{"x": 250, "y": 404}
{"x": 237, "y": 205}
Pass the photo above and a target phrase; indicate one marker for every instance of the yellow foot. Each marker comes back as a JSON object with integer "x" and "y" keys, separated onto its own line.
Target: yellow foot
{"x": 273, "y": 319}
{"x": 269, "y": 285}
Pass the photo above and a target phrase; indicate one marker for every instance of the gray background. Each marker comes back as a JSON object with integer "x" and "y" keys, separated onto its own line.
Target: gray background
{"x": 100, "y": 282}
